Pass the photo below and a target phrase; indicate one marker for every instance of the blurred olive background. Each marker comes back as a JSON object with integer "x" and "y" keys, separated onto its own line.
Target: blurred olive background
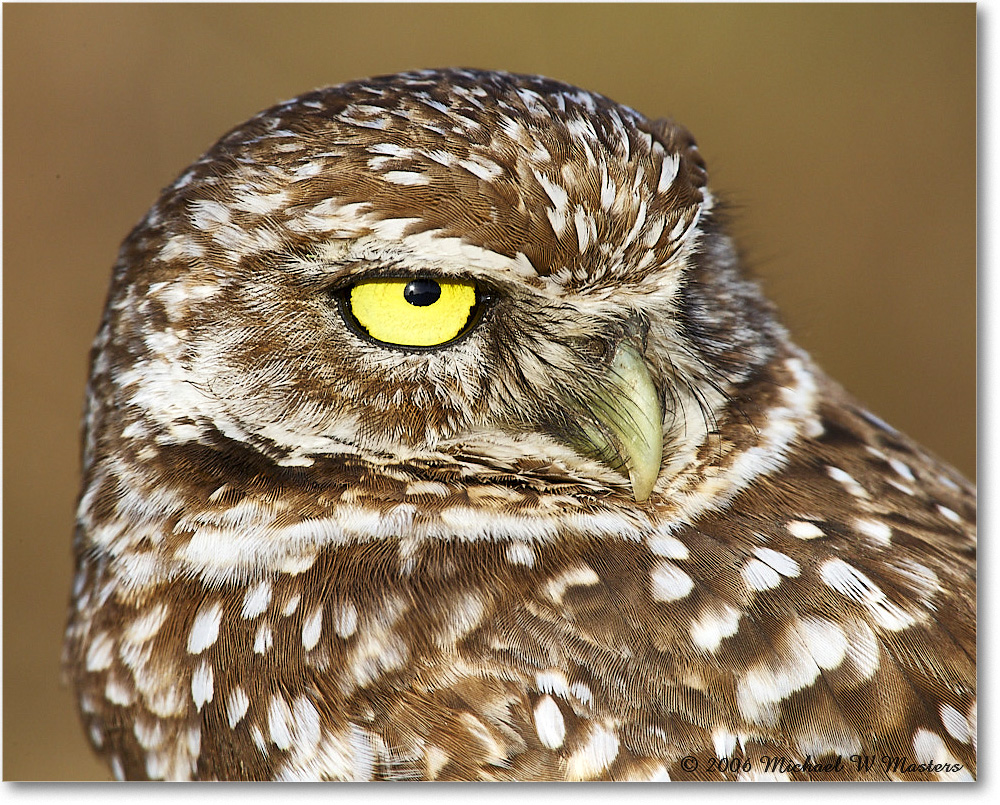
{"x": 844, "y": 137}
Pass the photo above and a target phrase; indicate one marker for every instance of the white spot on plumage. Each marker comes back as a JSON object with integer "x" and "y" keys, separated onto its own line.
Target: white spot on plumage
{"x": 514, "y": 129}
{"x": 390, "y": 149}
{"x": 406, "y": 178}
{"x": 164, "y": 695}
{"x": 552, "y": 681}
{"x": 863, "y": 650}
{"x": 593, "y": 758}
{"x": 929, "y": 747}
{"x": 876, "y": 529}
{"x": 765, "y": 685}
{"x": 345, "y": 621}
{"x": 297, "y": 563}
{"x": 237, "y": 704}
{"x": 580, "y": 575}
{"x": 584, "y": 99}
{"x": 904, "y": 488}
{"x": 678, "y": 230}
{"x": 306, "y": 730}
{"x": 669, "y": 582}
{"x": 947, "y": 482}
{"x": 202, "y": 684}
{"x": 653, "y": 232}
{"x": 445, "y": 158}
{"x": 640, "y": 220}
{"x": 667, "y": 546}
{"x": 801, "y": 529}
{"x": 180, "y": 247}
{"x": 949, "y": 514}
{"x": 280, "y": 722}
{"x": 205, "y": 628}
{"x": 117, "y": 770}
{"x": 715, "y": 625}
{"x": 549, "y": 723}
{"x": 148, "y": 624}
{"x": 208, "y": 215}
{"x": 156, "y": 766}
{"x": 855, "y": 585}
{"x": 257, "y": 736}
{"x": 378, "y": 648}
{"x": 558, "y": 212}
{"x": 582, "y": 130}
{"x": 378, "y": 123}
{"x": 312, "y": 628}
{"x": 532, "y": 102}
{"x": 780, "y": 562}
{"x": 586, "y": 229}
{"x": 847, "y": 481}
{"x": 149, "y": 732}
{"x": 758, "y": 576}
{"x": 485, "y": 169}
{"x": 307, "y": 170}
{"x": 393, "y": 229}
{"x": 518, "y": 553}
{"x": 582, "y": 692}
{"x": 257, "y": 599}
{"x": 261, "y": 203}
{"x": 264, "y": 639}
{"x": 433, "y": 488}
{"x": 433, "y": 104}
{"x": 825, "y": 641}
{"x": 902, "y": 469}
{"x": 291, "y": 605}
{"x": 347, "y": 755}
{"x": 924, "y": 580}
{"x": 601, "y": 524}
{"x": 118, "y": 692}
{"x": 100, "y": 653}
{"x": 378, "y": 163}
{"x": 824, "y": 737}
{"x": 956, "y": 725}
{"x": 193, "y": 737}
{"x": 668, "y": 172}
{"x": 724, "y": 742}
{"x": 465, "y": 614}
{"x": 79, "y": 582}
{"x": 436, "y": 759}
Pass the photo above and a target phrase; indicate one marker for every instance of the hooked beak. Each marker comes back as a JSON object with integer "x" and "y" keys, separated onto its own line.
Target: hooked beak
{"x": 621, "y": 420}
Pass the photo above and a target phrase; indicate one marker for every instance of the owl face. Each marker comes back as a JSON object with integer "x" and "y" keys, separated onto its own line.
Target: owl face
{"x": 496, "y": 266}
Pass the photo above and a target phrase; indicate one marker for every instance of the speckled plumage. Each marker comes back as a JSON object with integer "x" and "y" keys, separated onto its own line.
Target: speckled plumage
{"x": 305, "y": 555}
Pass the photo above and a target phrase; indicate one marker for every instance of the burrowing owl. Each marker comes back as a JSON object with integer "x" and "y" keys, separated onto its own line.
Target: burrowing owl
{"x": 434, "y": 431}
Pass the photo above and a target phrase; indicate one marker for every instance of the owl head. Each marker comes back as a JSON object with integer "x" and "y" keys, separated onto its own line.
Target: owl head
{"x": 446, "y": 269}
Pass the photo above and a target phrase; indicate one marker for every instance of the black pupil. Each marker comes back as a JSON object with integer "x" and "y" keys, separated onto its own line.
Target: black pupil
{"x": 422, "y": 292}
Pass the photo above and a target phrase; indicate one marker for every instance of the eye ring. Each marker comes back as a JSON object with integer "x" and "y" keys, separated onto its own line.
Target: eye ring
{"x": 411, "y": 300}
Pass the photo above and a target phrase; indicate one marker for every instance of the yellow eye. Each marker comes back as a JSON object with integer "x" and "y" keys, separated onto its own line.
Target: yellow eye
{"x": 418, "y": 312}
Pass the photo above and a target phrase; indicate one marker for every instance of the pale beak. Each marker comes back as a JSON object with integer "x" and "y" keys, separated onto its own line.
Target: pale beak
{"x": 622, "y": 422}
